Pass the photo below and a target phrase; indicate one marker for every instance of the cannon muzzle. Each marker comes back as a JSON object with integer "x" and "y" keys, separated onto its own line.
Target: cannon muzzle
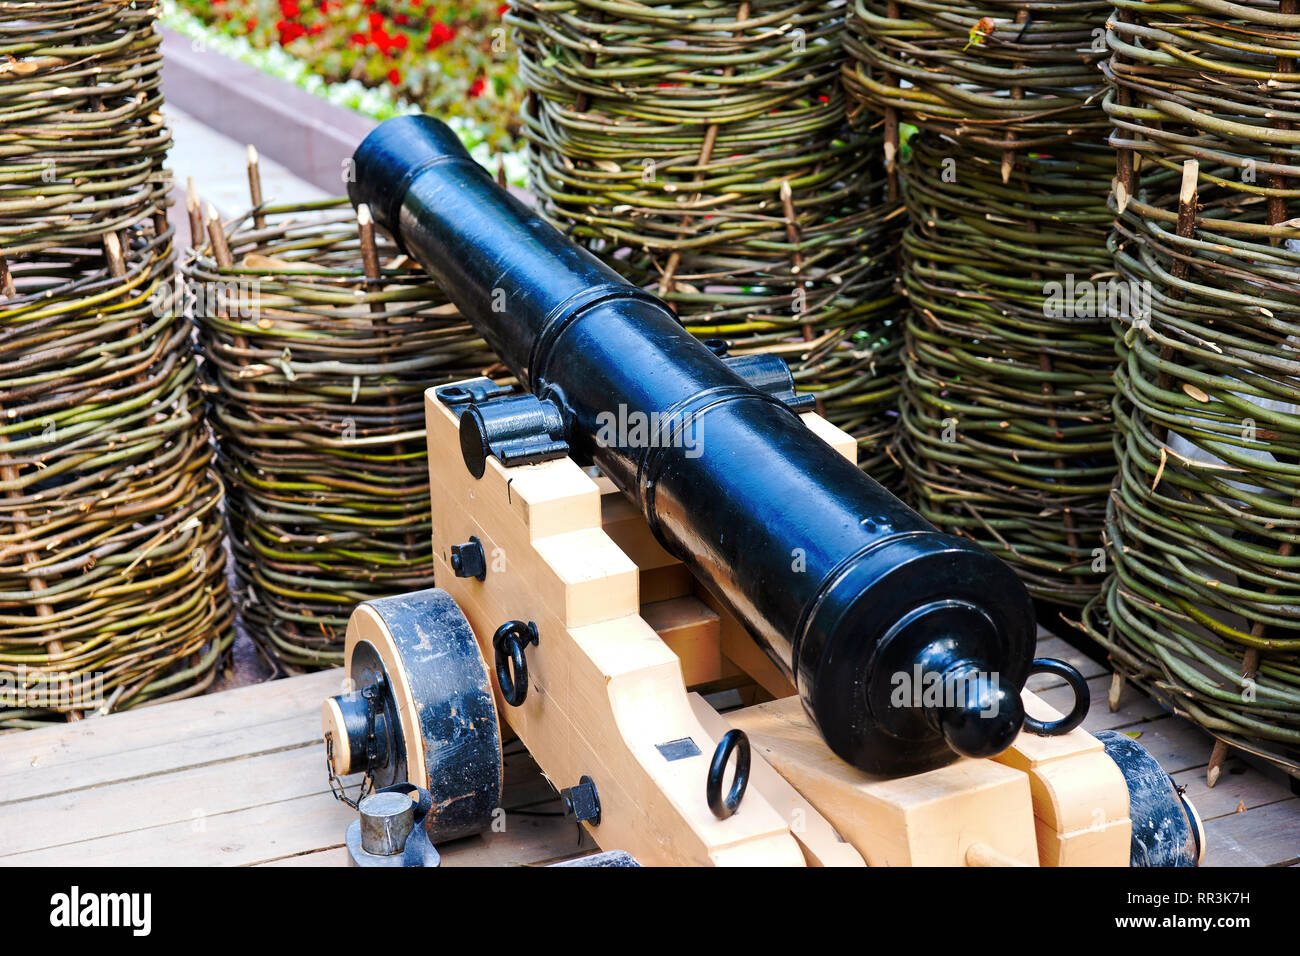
{"x": 907, "y": 646}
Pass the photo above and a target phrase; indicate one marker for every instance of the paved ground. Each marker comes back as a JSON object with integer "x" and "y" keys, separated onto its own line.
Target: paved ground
{"x": 218, "y": 166}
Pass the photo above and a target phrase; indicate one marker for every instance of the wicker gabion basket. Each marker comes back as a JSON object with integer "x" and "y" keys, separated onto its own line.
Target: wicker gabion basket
{"x": 703, "y": 149}
{"x": 994, "y": 128}
{"x": 319, "y": 341}
{"x": 82, "y": 141}
{"x": 112, "y": 585}
{"x": 1203, "y": 605}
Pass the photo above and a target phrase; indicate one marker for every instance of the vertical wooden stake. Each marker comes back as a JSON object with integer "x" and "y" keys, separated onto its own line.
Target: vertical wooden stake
{"x": 893, "y": 143}
{"x": 195, "y": 213}
{"x": 1017, "y": 93}
{"x": 1125, "y": 165}
{"x": 7, "y": 288}
{"x": 1186, "y": 229}
{"x": 217, "y": 236}
{"x": 255, "y": 187}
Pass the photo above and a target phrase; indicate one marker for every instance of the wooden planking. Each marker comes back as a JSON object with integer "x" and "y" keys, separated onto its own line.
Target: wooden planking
{"x": 165, "y": 758}
{"x": 263, "y": 807}
{"x": 187, "y": 797}
{"x": 1134, "y": 707}
{"x": 238, "y": 838}
{"x": 1176, "y": 744}
{"x": 332, "y": 856}
{"x": 1240, "y": 786}
{"x": 1265, "y": 836}
{"x": 1058, "y": 648}
{"x": 207, "y": 715}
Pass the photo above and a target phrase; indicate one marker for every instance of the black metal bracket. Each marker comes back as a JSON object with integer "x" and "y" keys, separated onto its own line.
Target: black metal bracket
{"x": 468, "y": 559}
{"x": 767, "y": 373}
{"x": 583, "y": 801}
{"x": 508, "y": 643}
{"x": 516, "y": 429}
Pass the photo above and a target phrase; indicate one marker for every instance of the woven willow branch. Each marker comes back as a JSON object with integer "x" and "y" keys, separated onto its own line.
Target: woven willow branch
{"x": 112, "y": 582}
{"x": 1005, "y": 432}
{"x": 1203, "y": 606}
{"x": 316, "y": 376}
{"x": 82, "y": 141}
{"x": 703, "y": 150}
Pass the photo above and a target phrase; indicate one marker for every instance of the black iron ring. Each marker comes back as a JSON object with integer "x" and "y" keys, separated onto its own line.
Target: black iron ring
{"x": 509, "y": 642}
{"x": 1054, "y": 728}
{"x": 737, "y": 741}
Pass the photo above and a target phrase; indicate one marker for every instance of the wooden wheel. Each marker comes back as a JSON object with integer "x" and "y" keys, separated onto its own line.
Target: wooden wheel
{"x": 1167, "y": 830}
{"x": 419, "y": 709}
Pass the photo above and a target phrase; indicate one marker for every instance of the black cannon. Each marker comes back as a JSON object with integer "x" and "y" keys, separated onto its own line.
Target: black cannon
{"x": 907, "y": 646}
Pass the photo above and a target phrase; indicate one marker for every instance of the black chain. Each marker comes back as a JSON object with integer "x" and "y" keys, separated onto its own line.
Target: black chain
{"x": 371, "y": 694}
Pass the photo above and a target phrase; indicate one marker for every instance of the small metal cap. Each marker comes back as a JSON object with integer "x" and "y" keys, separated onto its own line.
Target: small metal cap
{"x": 386, "y": 821}
{"x": 468, "y": 560}
{"x": 582, "y": 801}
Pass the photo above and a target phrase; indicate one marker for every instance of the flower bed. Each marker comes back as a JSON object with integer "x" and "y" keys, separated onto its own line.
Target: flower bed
{"x": 380, "y": 56}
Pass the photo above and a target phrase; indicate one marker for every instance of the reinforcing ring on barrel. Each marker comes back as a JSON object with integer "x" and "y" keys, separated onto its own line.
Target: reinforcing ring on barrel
{"x": 509, "y": 642}
{"x": 1055, "y": 728}
{"x": 738, "y": 741}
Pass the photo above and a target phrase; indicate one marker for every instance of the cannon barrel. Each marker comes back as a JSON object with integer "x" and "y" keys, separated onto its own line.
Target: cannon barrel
{"x": 906, "y": 645}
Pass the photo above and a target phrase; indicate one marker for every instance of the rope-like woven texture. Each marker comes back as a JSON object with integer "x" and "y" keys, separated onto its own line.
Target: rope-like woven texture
{"x": 82, "y": 138}
{"x": 317, "y": 378}
{"x": 703, "y": 150}
{"x": 112, "y": 570}
{"x": 112, "y": 583}
{"x": 1005, "y": 434}
{"x": 1203, "y": 606}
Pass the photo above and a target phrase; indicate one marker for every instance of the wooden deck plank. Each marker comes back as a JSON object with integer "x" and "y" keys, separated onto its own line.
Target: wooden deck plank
{"x": 1058, "y": 648}
{"x": 331, "y": 856}
{"x": 1239, "y": 786}
{"x": 239, "y": 838}
{"x": 180, "y": 720}
{"x": 1134, "y": 707}
{"x": 191, "y": 797}
{"x": 192, "y": 752}
{"x": 1264, "y": 836}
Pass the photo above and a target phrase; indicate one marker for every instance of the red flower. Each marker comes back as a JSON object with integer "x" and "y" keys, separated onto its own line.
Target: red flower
{"x": 376, "y": 21}
{"x": 501, "y": 10}
{"x": 476, "y": 88}
{"x": 438, "y": 35}
{"x": 289, "y": 31}
{"x": 395, "y": 77}
{"x": 251, "y": 24}
{"x": 289, "y": 9}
